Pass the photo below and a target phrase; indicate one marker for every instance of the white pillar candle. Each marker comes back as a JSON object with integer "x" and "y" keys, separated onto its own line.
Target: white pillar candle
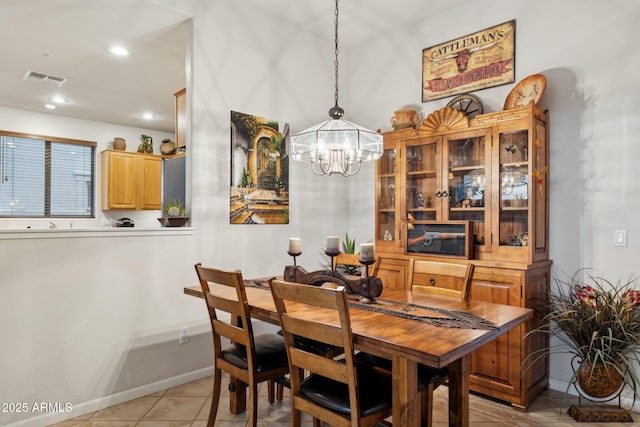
{"x": 366, "y": 252}
{"x": 295, "y": 245}
{"x": 332, "y": 244}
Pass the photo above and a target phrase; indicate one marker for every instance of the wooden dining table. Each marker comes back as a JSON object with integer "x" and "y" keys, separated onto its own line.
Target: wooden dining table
{"x": 409, "y": 340}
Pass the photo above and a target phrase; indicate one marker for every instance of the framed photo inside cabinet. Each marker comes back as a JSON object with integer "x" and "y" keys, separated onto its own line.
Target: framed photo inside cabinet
{"x": 439, "y": 238}
{"x": 476, "y": 61}
{"x": 259, "y": 187}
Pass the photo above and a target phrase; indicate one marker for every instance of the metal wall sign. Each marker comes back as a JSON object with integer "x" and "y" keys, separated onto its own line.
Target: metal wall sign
{"x": 476, "y": 61}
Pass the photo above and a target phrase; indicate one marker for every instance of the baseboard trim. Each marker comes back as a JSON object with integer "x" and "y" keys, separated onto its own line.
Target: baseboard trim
{"x": 84, "y": 408}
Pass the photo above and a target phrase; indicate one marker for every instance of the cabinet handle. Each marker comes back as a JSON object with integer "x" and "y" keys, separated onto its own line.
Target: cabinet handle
{"x": 442, "y": 193}
{"x": 432, "y": 281}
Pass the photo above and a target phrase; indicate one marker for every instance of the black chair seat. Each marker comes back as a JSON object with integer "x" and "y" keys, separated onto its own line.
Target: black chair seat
{"x": 314, "y": 346}
{"x": 374, "y": 386}
{"x": 270, "y": 353}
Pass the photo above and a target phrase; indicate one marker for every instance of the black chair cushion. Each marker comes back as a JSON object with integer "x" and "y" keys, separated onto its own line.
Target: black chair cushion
{"x": 374, "y": 386}
{"x": 313, "y": 346}
{"x": 270, "y": 353}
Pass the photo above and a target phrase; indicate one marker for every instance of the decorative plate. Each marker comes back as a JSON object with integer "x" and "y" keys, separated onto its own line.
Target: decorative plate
{"x": 528, "y": 89}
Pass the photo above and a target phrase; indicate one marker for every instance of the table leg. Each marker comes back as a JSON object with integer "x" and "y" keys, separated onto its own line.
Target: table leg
{"x": 459, "y": 392}
{"x": 406, "y": 402}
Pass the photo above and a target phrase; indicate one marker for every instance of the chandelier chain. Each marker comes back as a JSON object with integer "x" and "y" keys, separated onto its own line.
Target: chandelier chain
{"x": 336, "y": 51}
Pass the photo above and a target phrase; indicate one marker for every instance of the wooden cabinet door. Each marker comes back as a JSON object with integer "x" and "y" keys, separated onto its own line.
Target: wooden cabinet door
{"x": 495, "y": 367}
{"x": 181, "y": 118}
{"x": 119, "y": 173}
{"x": 150, "y": 182}
{"x": 394, "y": 273}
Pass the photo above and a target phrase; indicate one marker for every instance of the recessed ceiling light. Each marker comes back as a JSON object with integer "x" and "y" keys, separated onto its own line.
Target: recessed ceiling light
{"x": 118, "y": 50}
{"x": 148, "y": 116}
{"x": 50, "y": 106}
{"x": 59, "y": 100}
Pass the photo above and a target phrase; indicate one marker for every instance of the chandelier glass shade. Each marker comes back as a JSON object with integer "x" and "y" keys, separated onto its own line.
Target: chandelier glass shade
{"x": 336, "y": 145}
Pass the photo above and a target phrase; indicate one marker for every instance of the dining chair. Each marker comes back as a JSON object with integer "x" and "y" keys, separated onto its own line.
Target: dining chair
{"x": 354, "y": 259}
{"x": 340, "y": 392}
{"x": 250, "y": 358}
{"x": 437, "y": 278}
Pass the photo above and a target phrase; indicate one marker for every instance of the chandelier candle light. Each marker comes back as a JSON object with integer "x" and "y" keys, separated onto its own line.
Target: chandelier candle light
{"x": 336, "y": 145}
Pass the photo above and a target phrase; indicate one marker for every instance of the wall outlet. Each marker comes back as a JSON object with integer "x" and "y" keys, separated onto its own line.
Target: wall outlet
{"x": 184, "y": 335}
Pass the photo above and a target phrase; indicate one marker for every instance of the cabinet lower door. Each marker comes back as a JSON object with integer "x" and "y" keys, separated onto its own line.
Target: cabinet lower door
{"x": 393, "y": 272}
{"x": 495, "y": 367}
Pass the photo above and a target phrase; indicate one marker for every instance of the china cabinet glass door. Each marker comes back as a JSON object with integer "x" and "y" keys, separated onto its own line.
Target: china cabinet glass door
{"x": 422, "y": 184}
{"x": 467, "y": 182}
{"x": 514, "y": 188}
{"x": 387, "y": 195}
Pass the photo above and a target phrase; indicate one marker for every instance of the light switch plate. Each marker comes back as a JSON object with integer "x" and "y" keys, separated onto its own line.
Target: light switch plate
{"x": 620, "y": 238}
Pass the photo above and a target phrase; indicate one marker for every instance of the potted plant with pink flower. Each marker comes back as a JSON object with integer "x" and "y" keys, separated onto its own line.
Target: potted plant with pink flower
{"x": 598, "y": 322}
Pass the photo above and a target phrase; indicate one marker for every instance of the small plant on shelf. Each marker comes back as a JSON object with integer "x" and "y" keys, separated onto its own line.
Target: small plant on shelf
{"x": 174, "y": 214}
{"x": 174, "y": 208}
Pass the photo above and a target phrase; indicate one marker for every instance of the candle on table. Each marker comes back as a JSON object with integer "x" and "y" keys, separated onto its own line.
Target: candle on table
{"x": 332, "y": 244}
{"x": 366, "y": 252}
{"x": 295, "y": 245}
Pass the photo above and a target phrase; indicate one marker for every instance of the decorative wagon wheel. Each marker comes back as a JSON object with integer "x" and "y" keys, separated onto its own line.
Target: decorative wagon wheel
{"x": 470, "y": 105}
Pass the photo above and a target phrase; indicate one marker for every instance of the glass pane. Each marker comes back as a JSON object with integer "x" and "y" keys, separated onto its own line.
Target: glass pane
{"x": 466, "y": 152}
{"x": 466, "y": 183}
{"x": 22, "y": 186}
{"x": 387, "y": 196}
{"x": 422, "y": 186}
{"x": 514, "y": 188}
{"x": 71, "y": 180}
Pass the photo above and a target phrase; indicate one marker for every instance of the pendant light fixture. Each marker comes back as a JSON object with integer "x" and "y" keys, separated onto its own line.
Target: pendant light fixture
{"x": 336, "y": 145}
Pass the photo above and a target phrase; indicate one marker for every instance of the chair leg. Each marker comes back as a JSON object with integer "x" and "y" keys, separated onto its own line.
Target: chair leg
{"x": 317, "y": 423}
{"x": 279, "y": 392}
{"x": 270, "y": 391}
{"x": 253, "y": 406}
{"x": 215, "y": 399}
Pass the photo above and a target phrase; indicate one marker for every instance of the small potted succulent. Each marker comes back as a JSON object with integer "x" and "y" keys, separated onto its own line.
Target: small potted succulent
{"x": 174, "y": 214}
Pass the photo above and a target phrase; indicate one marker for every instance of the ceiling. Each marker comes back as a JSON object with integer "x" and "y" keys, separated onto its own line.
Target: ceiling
{"x": 70, "y": 39}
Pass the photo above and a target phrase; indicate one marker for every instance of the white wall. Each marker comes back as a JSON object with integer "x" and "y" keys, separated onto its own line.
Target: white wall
{"x": 94, "y": 321}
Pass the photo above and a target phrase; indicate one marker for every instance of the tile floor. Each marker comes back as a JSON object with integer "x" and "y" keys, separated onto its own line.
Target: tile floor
{"x": 188, "y": 406}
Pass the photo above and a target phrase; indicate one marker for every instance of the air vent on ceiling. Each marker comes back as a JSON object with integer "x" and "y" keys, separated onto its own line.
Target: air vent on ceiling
{"x": 44, "y": 78}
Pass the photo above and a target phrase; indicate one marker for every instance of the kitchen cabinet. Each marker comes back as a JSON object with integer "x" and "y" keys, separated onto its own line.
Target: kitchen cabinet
{"x": 131, "y": 181}
{"x": 489, "y": 172}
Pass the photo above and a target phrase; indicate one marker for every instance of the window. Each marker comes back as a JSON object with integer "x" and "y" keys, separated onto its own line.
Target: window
{"x": 46, "y": 177}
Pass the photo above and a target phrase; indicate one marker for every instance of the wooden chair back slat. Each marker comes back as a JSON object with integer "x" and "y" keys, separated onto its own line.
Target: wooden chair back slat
{"x": 354, "y": 259}
{"x": 441, "y": 278}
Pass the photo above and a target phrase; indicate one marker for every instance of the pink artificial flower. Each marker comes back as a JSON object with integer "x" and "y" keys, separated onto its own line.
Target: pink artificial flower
{"x": 587, "y": 295}
{"x": 631, "y": 298}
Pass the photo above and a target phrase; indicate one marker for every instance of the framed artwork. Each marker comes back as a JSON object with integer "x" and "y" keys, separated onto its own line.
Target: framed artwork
{"x": 476, "y": 61}
{"x": 259, "y": 187}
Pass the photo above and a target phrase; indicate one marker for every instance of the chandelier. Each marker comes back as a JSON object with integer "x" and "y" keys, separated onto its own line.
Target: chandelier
{"x": 336, "y": 145}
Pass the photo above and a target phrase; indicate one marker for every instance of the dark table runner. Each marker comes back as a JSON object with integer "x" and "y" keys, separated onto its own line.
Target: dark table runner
{"x": 431, "y": 315}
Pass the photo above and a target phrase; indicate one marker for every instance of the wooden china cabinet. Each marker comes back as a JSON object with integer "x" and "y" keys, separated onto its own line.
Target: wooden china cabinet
{"x": 490, "y": 173}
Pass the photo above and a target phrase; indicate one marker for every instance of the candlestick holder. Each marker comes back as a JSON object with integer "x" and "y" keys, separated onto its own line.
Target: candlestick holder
{"x": 294, "y": 255}
{"x": 295, "y": 266}
{"x": 330, "y": 253}
{"x": 366, "y": 297}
